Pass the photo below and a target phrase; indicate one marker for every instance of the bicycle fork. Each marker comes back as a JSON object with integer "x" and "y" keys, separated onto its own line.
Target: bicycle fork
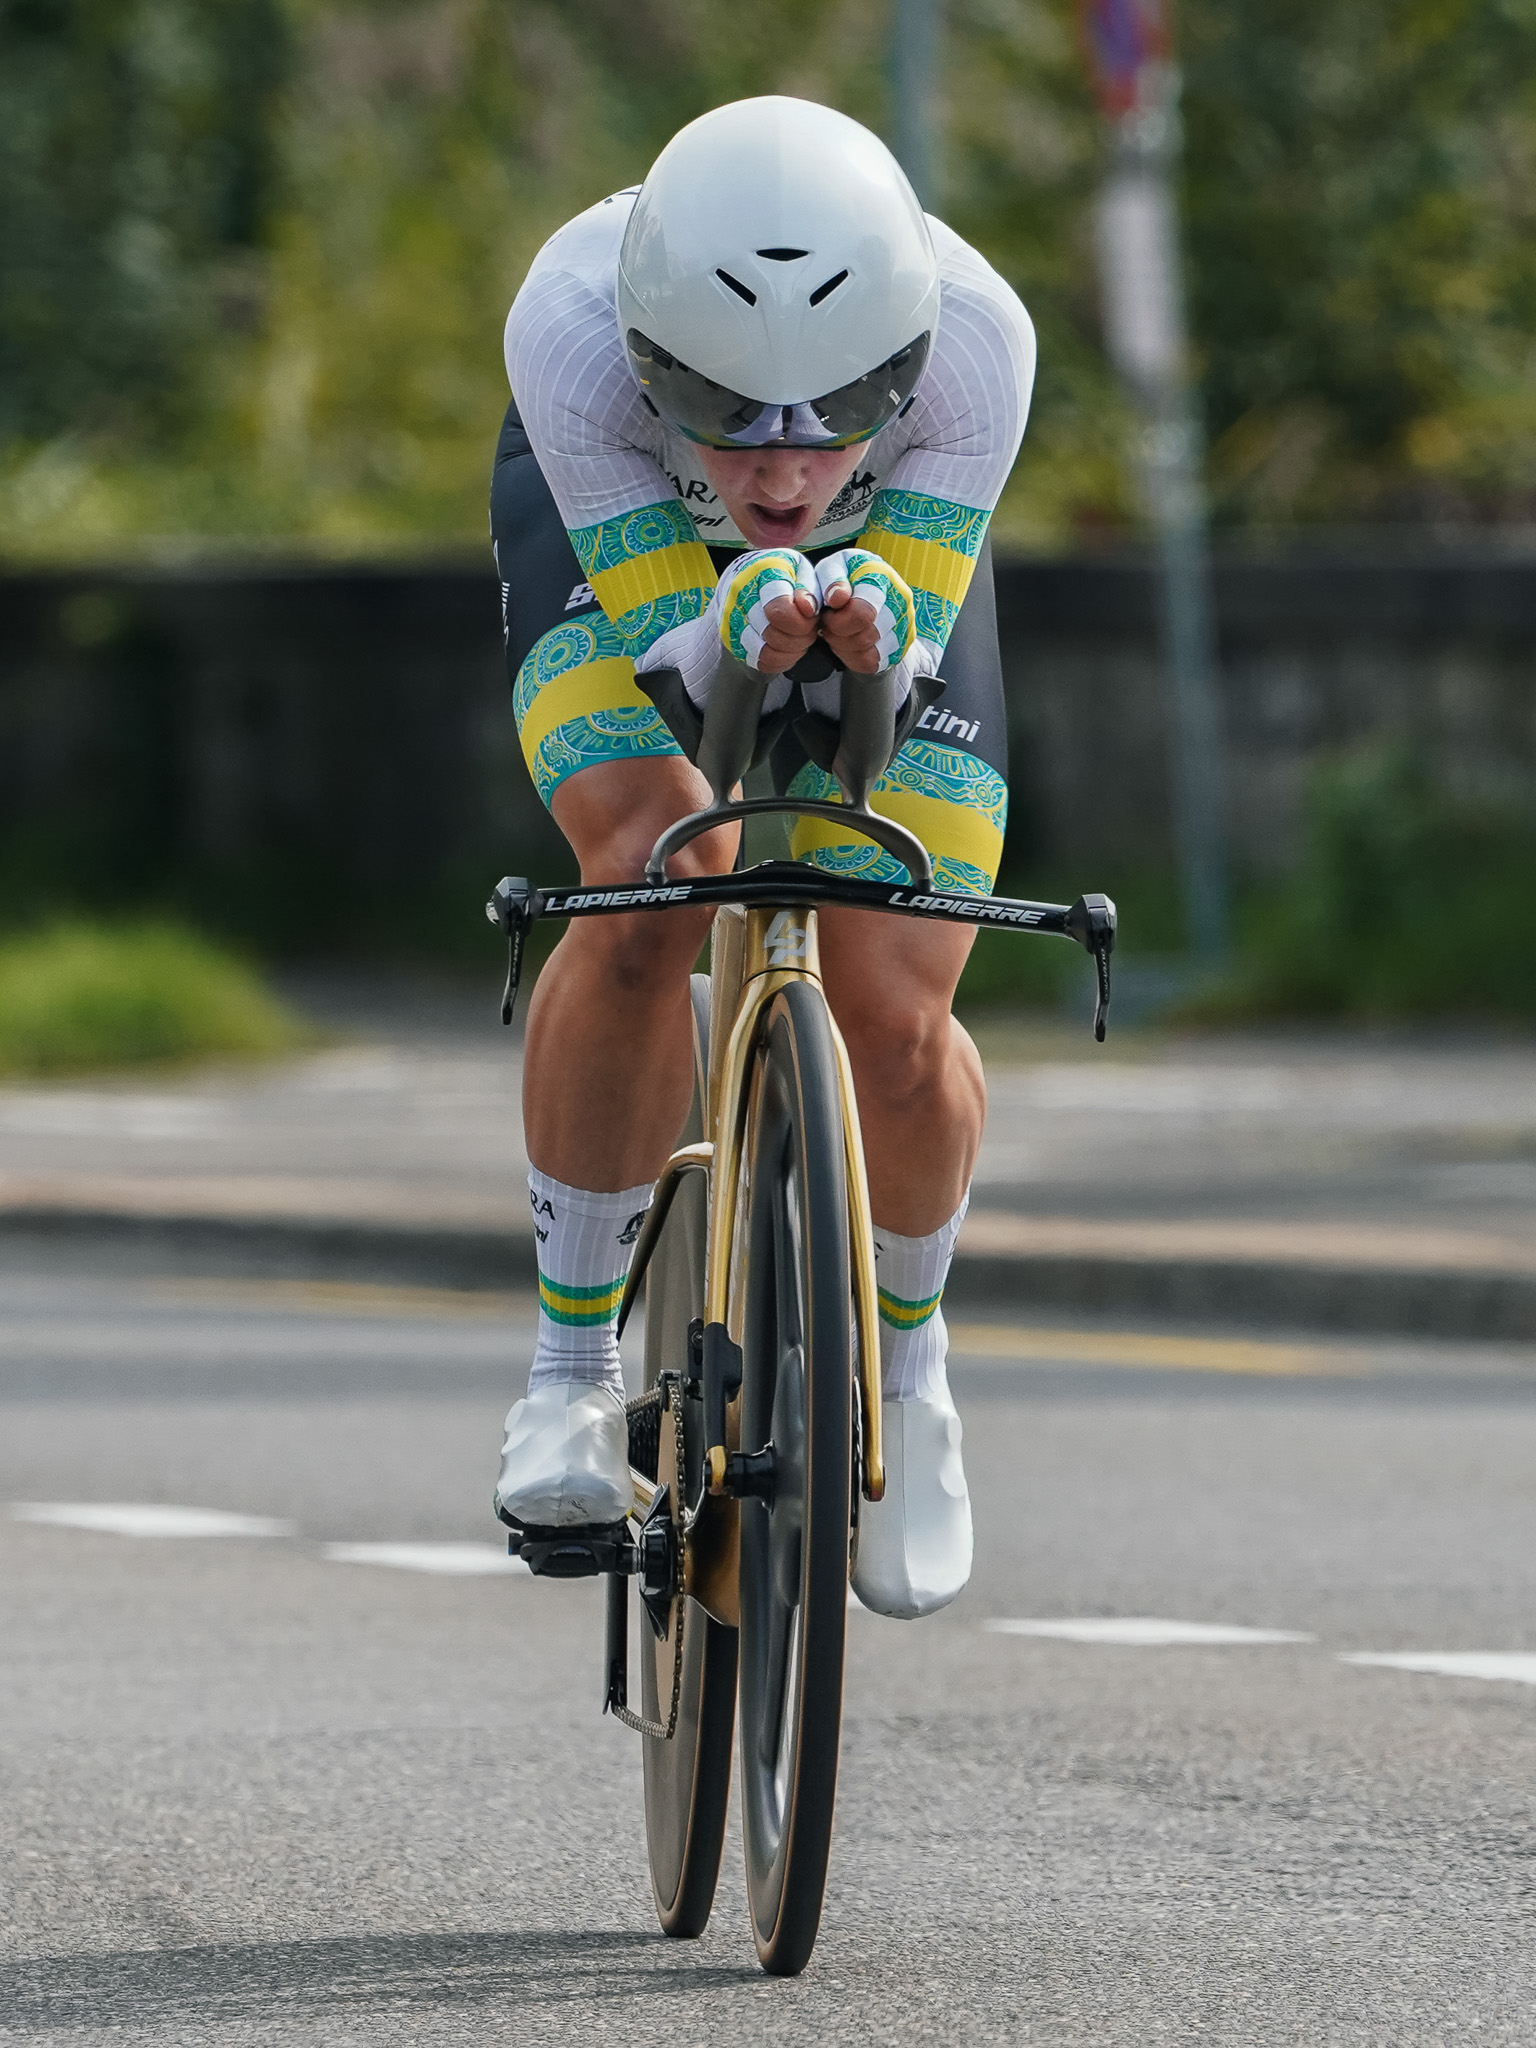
{"x": 754, "y": 954}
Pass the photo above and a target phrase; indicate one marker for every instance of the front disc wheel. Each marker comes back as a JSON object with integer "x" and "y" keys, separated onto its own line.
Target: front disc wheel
{"x": 797, "y": 1376}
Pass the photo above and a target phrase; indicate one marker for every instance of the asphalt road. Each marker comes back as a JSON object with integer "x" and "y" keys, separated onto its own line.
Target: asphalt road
{"x": 261, "y": 1789}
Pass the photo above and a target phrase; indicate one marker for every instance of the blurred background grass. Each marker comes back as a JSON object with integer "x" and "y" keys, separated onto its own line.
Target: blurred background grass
{"x": 76, "y": 996}
{"x": 1405, "y": 902}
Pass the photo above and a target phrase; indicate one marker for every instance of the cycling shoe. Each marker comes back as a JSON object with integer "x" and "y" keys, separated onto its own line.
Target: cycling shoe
{"x": 566, "y": 1458}
{"x": 914, "y": 1551}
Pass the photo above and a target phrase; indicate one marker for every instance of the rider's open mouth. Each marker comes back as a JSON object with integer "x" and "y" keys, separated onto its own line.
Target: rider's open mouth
{"x": 781, "y": 519}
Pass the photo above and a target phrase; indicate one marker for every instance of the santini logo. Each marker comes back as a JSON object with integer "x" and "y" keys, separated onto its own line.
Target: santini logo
{"x": 948, "y": 723}
{"x": 579, "y": 598}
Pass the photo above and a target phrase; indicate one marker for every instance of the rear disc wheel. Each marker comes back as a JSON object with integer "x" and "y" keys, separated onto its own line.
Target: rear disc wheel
{"x": 687, "y": 1779}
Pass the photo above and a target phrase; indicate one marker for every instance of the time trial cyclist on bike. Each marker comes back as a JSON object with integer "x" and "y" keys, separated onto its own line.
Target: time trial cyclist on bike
{"x": 763, "y": 406}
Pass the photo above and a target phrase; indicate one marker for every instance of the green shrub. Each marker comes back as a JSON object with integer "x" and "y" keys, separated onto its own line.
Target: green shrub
{"x": 1406, "y": 902}
{"x": 84, "y": 995}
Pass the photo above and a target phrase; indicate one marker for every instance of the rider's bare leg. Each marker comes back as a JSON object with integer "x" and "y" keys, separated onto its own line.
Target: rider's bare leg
{"x": 922, "y": 1098}
{"x": 607, "y": 1062}
{"x": 606, "y": 1076}
{"x": 921, "y": 1102}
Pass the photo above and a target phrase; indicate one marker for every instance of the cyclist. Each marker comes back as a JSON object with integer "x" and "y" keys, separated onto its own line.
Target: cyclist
{"x": 762, "y": 404}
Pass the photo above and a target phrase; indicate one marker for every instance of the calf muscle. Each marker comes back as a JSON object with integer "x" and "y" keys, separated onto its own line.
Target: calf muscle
{"x": 921, "y": 1094}
{"x": 608, "y": 1062}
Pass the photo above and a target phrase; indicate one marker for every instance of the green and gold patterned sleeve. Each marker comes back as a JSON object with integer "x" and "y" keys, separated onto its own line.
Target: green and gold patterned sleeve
{"x": 932, "y": 544}
{"x": 648, "y": 570}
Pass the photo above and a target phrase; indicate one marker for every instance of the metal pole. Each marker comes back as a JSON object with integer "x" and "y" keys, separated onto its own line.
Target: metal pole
{"x": 916, "y": 53}
{"x": 1144, "y": 322}
{"x": 1189, "y": 641}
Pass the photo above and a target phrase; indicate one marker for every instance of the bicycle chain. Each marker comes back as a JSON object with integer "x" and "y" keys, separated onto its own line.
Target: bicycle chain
{"x": 663, "y": 1731}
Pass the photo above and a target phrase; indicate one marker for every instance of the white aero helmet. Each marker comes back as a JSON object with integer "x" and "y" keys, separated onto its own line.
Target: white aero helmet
{"x": 777, "y": 281}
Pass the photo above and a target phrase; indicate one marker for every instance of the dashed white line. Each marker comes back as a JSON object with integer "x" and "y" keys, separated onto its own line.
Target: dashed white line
{"x": 461, "y": 1560}
{"x": 1145, "y": 1631}
{"x": 1515, "y": 1667}
{"x": 143, "y": 1518}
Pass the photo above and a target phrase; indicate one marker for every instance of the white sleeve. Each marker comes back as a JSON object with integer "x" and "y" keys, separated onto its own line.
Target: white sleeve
{"x": 580, "y": 405}
{"x": 973, "y": 401}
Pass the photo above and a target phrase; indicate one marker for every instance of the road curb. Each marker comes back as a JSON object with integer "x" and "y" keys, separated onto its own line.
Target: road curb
{"x": 1366, "y": 1300}
{"x": 1376, "y": 1299}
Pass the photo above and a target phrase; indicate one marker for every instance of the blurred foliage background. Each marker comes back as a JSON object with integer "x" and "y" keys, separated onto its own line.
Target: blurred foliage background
{"x": 255, "y": 255}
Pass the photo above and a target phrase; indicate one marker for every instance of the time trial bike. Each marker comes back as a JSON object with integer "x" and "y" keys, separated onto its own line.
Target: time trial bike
{"x": 756, "y": 1439}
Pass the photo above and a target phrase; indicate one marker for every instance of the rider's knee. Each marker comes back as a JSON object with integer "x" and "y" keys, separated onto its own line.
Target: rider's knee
{"x": 896, "y": 1042}
{"x": 648, "y": 950}
{"x": 613, "y": 816}
{"x": 619, "y": 853}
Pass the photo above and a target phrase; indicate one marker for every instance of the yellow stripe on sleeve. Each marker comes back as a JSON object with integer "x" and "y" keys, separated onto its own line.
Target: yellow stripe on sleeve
{"x": 924, "y": 564}
{"x": 949, "y": 831}
{"x": 606, "y": 685}
{"x": 644, "y": 578}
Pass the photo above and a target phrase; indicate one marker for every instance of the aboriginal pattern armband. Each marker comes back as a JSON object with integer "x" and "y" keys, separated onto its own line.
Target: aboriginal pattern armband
{"x": 932, "y": 544}
{"x": 648, "y": 570}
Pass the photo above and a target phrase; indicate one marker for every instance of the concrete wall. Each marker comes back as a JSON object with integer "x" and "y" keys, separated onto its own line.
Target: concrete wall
{"x": 286, "y": 732}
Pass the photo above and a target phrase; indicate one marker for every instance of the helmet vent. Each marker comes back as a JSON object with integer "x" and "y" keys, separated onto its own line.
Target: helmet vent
{"x": 825, "y": 291}
{"x": 734, "y": 284}
{"x": 782, "y": 255}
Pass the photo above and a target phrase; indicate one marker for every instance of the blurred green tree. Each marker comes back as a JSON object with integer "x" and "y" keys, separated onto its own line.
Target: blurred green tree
{"x": 1361, "y": 221}
{"x": 255, "y": 254}
{"x": 137, "y": 162}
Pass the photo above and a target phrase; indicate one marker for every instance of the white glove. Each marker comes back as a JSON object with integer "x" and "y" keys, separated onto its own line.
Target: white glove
{"x": 735, "y": 621}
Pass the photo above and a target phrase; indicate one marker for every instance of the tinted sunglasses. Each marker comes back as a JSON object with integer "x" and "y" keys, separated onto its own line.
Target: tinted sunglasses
{"x": 721, "y": 418}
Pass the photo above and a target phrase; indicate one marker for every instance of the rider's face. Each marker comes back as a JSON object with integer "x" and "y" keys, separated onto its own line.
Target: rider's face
{"x": 776, "y": 495}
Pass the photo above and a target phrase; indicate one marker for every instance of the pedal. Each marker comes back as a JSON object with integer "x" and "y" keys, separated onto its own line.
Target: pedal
{"x": 584, "y": 1551}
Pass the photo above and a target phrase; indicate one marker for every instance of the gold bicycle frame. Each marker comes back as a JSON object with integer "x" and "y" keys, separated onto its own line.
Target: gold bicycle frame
{"x": 754, "y": 954}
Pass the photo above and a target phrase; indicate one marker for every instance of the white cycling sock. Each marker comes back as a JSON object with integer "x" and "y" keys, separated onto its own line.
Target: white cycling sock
{"x": 911, "y": 1272}
{"x": 585, "y": 1242}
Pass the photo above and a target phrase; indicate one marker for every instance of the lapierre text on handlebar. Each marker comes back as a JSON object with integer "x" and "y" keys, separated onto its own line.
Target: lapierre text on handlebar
{"x": 1090, "y": 921}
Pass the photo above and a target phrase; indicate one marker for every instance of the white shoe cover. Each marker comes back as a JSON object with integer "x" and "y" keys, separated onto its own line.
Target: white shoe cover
{"x": 915, "y": 1545}
{"x": 566, "y": 1457}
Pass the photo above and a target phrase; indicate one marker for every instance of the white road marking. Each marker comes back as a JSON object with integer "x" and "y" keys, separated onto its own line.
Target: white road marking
{"x": 1145, "y": 1632}
{"x": 462, "y": 1560}
{"x": 1516, "y": 1667}
{"x": 138, "y": 1518}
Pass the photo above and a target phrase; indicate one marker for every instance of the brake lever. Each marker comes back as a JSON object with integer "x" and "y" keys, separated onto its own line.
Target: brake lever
{"x": 512, "y": 909}
{"x": 1101, "y": 1000}
{"x": 1092, "y": 921}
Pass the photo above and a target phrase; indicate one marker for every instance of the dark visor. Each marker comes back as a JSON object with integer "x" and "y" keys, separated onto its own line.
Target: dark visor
{"x": 722, "y": 418}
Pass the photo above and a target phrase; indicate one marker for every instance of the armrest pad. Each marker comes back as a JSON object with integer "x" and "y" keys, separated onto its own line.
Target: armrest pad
{"x": 678, "y": 713}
